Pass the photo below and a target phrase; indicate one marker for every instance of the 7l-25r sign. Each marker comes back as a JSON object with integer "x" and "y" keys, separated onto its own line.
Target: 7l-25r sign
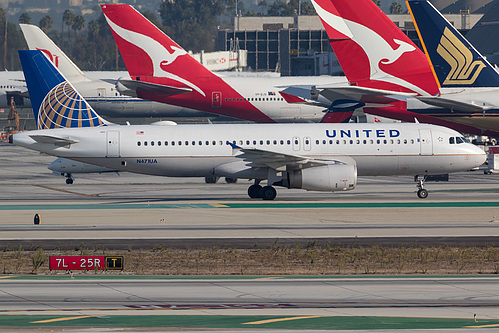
{"x": 86, "y": 263}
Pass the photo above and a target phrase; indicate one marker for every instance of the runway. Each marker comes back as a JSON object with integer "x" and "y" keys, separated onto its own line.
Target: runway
{"x": 279, "y": 303}
{"x": 175, "y": 212}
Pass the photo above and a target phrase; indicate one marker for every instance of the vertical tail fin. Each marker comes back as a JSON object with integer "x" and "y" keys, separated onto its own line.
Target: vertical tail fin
{"x": 148, "y": 52}
{"x": 456, "y": 62}
{"x": 38, "y": 40}
{"x": 372, "y": 50}
{"x": 56, "y": 104}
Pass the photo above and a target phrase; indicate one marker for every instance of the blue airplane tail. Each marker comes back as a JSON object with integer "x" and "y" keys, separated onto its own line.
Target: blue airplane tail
{"x": 56, "y": 104}
{"x": 455, "y": 61}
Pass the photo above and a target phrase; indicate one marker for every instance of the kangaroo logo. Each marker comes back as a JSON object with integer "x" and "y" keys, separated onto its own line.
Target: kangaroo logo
{"x": 160, "y": 56}
{"x": 463, "y": 69}
{"x": 377, "y": 49}
{"x": 64, "y": 107}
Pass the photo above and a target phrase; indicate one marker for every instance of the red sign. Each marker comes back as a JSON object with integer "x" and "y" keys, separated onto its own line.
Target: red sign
{"x": 78, "y": 263}
{"x": 86, "y": 262}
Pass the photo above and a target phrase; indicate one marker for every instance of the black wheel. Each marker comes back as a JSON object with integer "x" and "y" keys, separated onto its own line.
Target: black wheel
{"x": 69, "y": 181}
{"x": 268, "y": 193}
{"x": 422, "y": 193}
{"x": 254, "y": 191}
{"x": 230, "y": 180}
{"x": 211, "y": 180}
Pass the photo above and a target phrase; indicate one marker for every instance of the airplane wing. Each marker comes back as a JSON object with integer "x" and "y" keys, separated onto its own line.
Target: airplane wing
{"x": 456, "y": 106}
{"x": 55, "y": 140}
{"x": 279, "y": 161}
{"x": 133, "y": 88}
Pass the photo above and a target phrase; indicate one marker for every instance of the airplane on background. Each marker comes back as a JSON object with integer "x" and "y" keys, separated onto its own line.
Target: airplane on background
{"x": 469, "y": 83}
{"x": 99, "y": 88}
{"x": 317, "y": 157}
{"x": 12, "y": 85}
{"x": 375, "y": 54}
{"x": 162, "y": 71}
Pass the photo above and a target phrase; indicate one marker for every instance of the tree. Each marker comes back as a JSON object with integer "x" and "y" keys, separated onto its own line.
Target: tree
{"x": 395, "y": 8}
{"x": 68, "y": 18}
{"x": 192, "y": 23}
{"x": 79, "y": 23}
{"x": 46, "y": 23}
{"x": 25, "y": 18}
{"x": 264, "y": 6}
{"x": 377, "y": 2}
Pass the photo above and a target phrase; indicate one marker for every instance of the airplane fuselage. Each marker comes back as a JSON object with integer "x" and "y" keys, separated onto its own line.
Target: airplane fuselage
{"x": 201, "y": 150}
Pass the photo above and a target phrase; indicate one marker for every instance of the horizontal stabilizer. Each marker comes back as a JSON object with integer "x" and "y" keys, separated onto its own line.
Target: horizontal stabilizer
{"x": 368, "y": 95}
{"x": 453, "y": 105}
{"x": 55, "y": 140}
{"x": 139, "y": 86}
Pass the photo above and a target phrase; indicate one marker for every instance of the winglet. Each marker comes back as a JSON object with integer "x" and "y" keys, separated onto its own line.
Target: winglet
{"x": 341, "y": 110}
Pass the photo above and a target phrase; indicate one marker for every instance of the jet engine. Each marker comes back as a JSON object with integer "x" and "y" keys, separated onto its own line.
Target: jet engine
{"x": 329, "y": 178}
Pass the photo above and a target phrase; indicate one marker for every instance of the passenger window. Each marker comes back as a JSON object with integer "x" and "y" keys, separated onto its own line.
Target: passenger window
{"x": 145, "y": 143}
{"x": 330, "y": 142}
{"x": 166, "y": 143}
{"x": 324, "y": 142}
{"x": 405, "y": 141}
{"x": 261, "y": 142}
{"x": 138, "y": 143}
{"x": 213, "y": 142}
{"x": 254, "y": 142}
{"x": 268, "y": 142}
{"x": 288, "y": 142}
{"x": 282, "y": 142}
{"x": 159, "y": 143}
{"x": 275, "y": 142}
{"x": 180, "y": 143}
{"x": 317, "y": 142}
{"x": 200, "y": 143}
{"x": 173, "y": 143}
{"x": 152, "y": 143}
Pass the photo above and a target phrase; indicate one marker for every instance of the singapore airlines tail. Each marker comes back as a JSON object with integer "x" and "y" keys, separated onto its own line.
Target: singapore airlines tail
{"x": 372, "y": 50}
{"x": 38, "y": 40}
{"x": 56, "y": 104}
{"x": 456, "y": 62}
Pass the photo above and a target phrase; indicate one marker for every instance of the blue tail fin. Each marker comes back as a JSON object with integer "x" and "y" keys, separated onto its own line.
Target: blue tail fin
{"x": 455, "y": 61}
{"x": 56, "y": 104}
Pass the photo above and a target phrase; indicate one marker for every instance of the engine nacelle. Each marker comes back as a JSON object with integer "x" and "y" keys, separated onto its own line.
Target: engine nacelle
{"x": 329, "y": 178}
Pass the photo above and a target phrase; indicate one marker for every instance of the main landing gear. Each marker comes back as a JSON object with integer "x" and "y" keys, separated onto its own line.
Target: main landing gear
{"x": 69, "y": 178}
{"x": 422, "y": 192}
{"x": 256, "y": 191}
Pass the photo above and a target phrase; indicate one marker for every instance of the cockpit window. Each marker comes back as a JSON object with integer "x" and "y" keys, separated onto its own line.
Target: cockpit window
{"x": 451, "y": 140}
{"x": 459, "y": 140}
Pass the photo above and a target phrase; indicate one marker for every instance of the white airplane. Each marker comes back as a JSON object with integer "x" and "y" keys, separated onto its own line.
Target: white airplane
{"x": 457, "y": 88}
{"x": 318, "y": 157}
{"x": 162, "y": 71}
{"x": 12, "y": 85}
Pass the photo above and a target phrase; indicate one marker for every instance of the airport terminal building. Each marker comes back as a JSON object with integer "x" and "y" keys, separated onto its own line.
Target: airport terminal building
{"x": 299, "y": 45}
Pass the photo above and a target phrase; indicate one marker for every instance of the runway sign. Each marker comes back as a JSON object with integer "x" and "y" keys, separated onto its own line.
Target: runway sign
{"x": 86, "y": 263}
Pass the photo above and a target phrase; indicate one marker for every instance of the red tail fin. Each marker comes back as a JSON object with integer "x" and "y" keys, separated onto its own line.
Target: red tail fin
{"x": 148, "y": 52}
{"x": 372, "y": 50}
